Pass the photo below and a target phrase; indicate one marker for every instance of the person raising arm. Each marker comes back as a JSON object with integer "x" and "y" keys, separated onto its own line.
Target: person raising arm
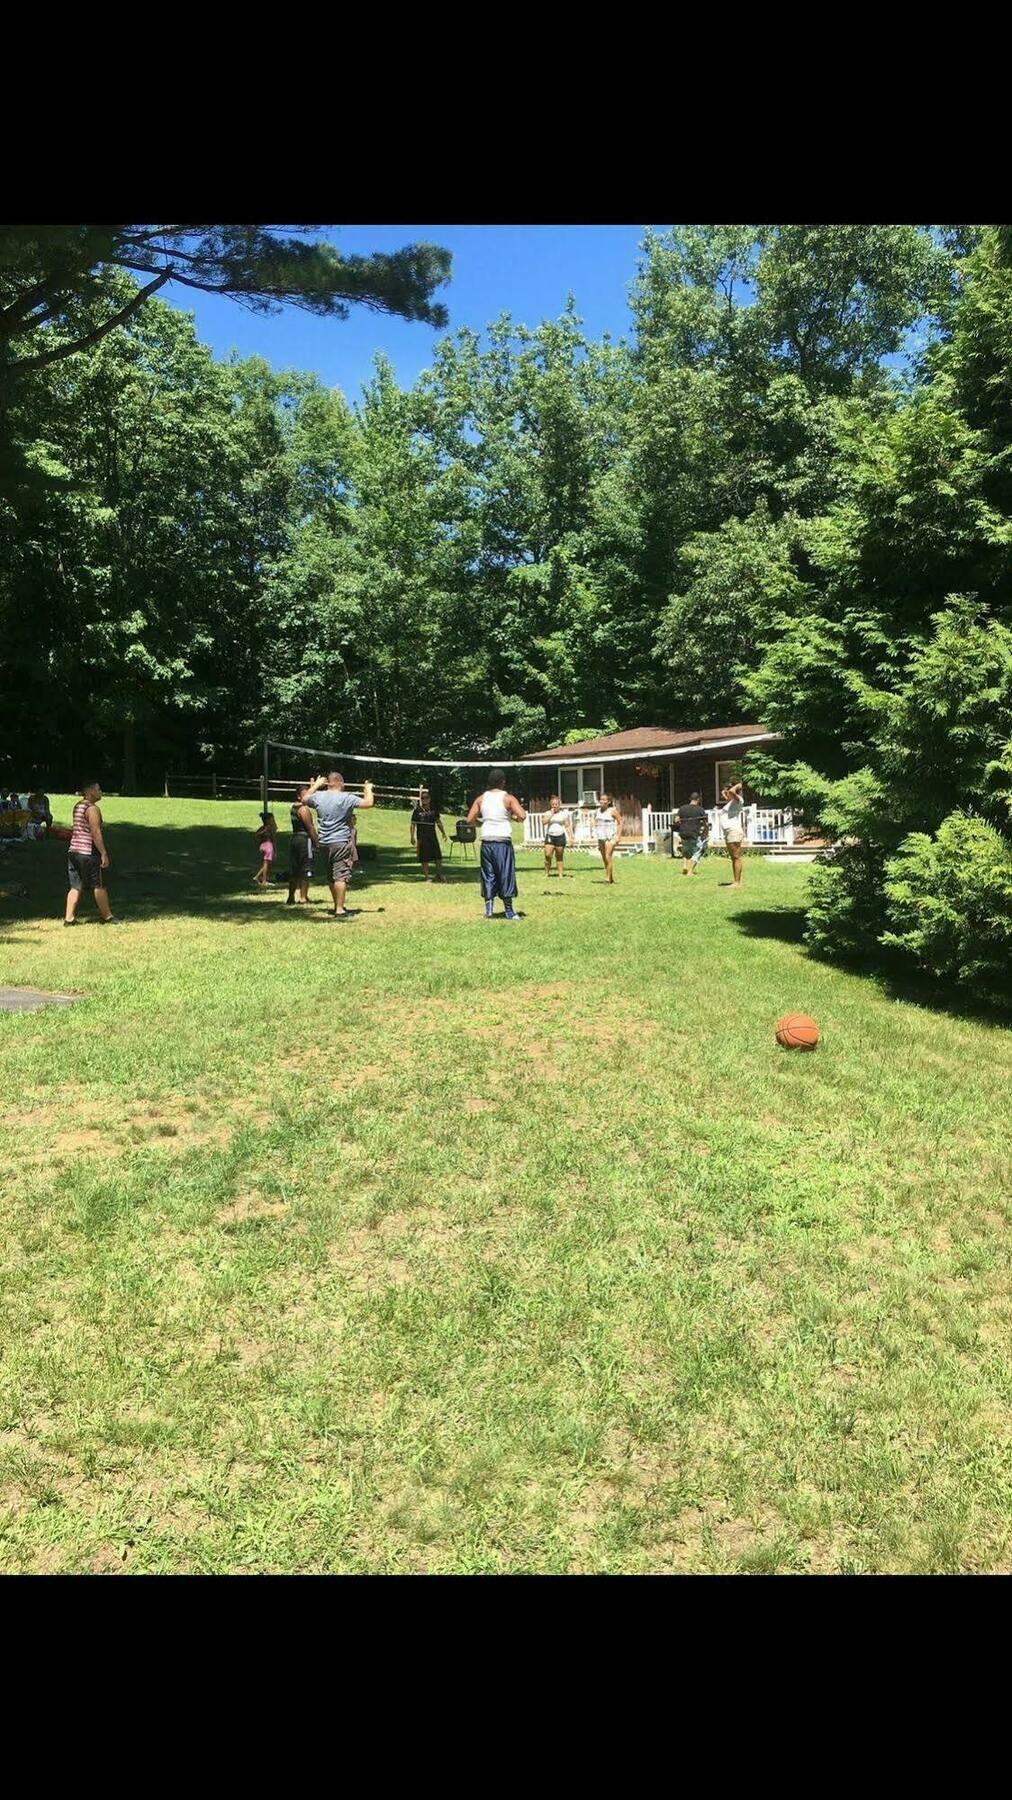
{"x": 734, "y": 833}
{"x": 305, "y": 836}
{"x": 334, "y": 807}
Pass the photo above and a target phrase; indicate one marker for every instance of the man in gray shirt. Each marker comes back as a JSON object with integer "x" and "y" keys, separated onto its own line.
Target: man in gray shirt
{"x": 333, "y": 806}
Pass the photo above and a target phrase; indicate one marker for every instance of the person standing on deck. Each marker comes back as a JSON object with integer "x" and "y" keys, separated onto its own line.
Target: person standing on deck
{"x": 334, "y": 809}
{"x": 496, "y": 808}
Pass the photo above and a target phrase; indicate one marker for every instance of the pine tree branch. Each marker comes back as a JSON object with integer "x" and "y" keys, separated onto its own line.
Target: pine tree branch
{"x": 19, "y": 308}
{"x": 92, "y": 337}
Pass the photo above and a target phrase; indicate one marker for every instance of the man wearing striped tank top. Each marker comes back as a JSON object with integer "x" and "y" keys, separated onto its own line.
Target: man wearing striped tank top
{"x": 88, "y": 859}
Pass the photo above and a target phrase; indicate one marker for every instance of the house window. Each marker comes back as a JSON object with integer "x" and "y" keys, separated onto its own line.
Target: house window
{"x": 569, "y": 787}
{"x": 576, "y": 781}
{"x": 725, "y": 773}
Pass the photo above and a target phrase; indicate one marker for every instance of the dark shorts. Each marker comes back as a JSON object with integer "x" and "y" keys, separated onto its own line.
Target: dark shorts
{"x": 84, "y": 870}
{"x": 428, "y": 847}
{"x": 338, "y": 860}
{"x": 301, "y": 856}
{"x": 689, "y": 846}
{"x": 555, "y": 843}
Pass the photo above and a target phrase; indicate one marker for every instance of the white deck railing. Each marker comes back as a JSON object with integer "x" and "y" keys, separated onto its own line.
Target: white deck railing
{"x": 583, "y": 829}
{"x": 761, "y": 824}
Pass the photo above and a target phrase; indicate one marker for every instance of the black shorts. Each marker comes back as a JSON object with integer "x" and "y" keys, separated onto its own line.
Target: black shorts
{"x": 555, "y": 843}
{"x": 300, "y": 860}
{"x": 84, "y": 870}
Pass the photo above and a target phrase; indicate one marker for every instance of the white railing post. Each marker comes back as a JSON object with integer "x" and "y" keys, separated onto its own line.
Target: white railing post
{"x": 646, "y": 830}
{"x": 788, "y": 825}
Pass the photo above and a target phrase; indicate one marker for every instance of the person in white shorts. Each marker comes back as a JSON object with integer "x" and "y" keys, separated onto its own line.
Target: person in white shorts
{"x": 607, "y": 830}
{"x": 733, "y": 828}
{"x": 558, "y": 826}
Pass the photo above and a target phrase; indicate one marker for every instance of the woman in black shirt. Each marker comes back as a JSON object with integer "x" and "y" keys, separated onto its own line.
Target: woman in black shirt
{"x": 426, "y": 820}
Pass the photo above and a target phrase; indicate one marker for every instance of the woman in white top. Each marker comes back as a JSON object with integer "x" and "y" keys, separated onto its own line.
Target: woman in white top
{"x": 496, "y": 809}
{"x": 608, "y": 830}
{"x": 558, "y": 833}
{"x": 731, "y": 825}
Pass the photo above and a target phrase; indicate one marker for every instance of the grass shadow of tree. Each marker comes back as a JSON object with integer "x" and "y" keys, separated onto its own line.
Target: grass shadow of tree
{"x": 881, "y": 966}
{"x": 204, "y": 870}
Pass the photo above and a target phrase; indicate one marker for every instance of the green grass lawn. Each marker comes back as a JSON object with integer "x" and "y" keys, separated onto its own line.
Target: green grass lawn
{"x": 420, "y": 1244}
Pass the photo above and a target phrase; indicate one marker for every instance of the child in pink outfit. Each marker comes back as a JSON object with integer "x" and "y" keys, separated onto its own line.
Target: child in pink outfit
{"x": 267, "y": 837}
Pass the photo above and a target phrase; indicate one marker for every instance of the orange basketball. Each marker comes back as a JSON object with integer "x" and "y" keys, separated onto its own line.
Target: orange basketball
{"x": 796, "y": 1031}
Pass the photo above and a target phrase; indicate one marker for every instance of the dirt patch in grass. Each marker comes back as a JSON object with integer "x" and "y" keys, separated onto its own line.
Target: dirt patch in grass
{"x": 251, "y": 1206}
{"x": 633, "y": 1464}
{"x": 109, "y": 1560}
{"x": 77, "y": 1143}
{"x": 227, "y": 1346}
{"x": 328, "y": 1068}
{"x": 369, "y": 1266}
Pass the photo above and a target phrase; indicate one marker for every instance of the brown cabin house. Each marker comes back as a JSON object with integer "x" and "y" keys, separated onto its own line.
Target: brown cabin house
{"x": 650, "y": 767}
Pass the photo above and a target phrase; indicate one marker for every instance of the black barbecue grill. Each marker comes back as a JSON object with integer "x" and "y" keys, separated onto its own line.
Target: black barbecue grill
{"x": 465, "y": 834}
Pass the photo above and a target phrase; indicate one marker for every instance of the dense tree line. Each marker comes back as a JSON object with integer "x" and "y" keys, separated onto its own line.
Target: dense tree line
{"x": 752, "y": 508}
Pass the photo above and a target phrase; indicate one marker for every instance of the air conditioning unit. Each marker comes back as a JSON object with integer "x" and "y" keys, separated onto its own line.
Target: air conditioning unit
{"x": 588, "y": 797}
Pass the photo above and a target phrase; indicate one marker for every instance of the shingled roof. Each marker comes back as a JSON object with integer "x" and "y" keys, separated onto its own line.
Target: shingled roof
{"x": 645, "y": 740}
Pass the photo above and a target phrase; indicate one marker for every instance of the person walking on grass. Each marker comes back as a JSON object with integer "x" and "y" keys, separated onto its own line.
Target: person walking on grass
{"x": 267, "y": 840}
{"x": 607, "y": 830}
{"x": 733, "y": 829}
{"x": 558, "y": 824}
{"x": 691, "y": 824}
{"x": 334, "y": 807}
{"x": 87, "y": 857}
{"x": 426, "y": 820}
{"x": 496, "y": 808}
{"x": 300, "y": 856}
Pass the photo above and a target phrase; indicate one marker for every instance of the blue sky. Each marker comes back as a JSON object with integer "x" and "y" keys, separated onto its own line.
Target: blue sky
{"x": 526, "y": 270}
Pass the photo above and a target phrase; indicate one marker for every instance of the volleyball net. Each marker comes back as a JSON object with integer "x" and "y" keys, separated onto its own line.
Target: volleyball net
{"x": 396, "y": 780}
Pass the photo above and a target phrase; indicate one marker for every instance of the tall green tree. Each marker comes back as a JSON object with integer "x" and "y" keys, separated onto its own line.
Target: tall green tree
{"x": 785, "y": 330}
{"x": 892, "y": 684}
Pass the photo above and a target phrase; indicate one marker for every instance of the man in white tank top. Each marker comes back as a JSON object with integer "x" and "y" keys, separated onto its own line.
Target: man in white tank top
{"x": 495, "y": 808}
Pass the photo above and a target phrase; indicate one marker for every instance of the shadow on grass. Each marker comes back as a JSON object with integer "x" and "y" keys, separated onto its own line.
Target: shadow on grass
{"x": 885, "y": 969}
{"x": 203, "y": 870}
{"x": 786, "y": 924}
